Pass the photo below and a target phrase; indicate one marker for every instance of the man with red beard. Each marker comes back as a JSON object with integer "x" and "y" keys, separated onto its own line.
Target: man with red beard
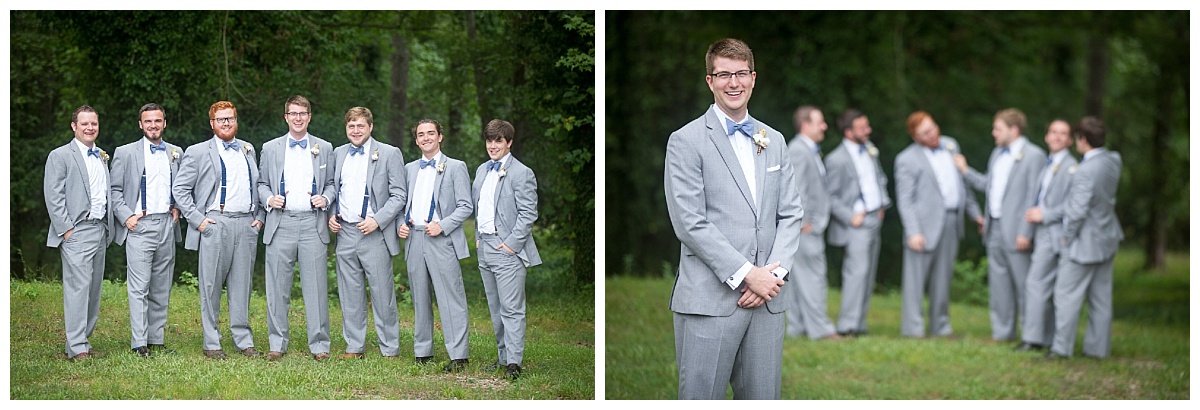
{"x": 215, "y": 189}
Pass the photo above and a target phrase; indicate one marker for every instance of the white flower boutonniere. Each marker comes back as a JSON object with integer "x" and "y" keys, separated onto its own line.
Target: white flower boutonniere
{"x": 1018, "y": 155}
{"x": 951, "y": 146}
{"x": 104, "y": 155}
{"x": 316, "y": 150}
{"x": 760, "y": 139}
{"x": 1055, "y": 168}
{"x": 174, "y": 154}
{"x": 872, "y": 151}
{"x": 248, "y": 148}
{"x": 375, "y": 155}
{"x": 1072, "y": 169}
{"x": 502, "y": 173}
{"x": 441, "y": 167}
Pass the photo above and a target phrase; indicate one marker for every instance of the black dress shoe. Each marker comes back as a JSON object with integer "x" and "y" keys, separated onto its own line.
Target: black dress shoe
{"x": 142, "y": 351}
{"x": 1051, "y": 356}
{"x": 424, "y": 360}
{"x": 1025, "y": 347}
{"x": 494, "y": 366}
{"x": 160, "y": 348}
{"x": 513, "y": 372}
{"x": 456, "y": 365}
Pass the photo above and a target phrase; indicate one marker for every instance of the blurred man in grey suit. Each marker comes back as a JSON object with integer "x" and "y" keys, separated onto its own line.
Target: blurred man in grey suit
{"x": 857, "y": 201}
{"x": 807, "y": 315}
{"x": 1046, "y": 215}
{"x": 439, "y": 201}
{"x": 296, "y": 187}
{"x": 505, "y": 198}
{"x": 932, "y": 200}
{"x": 215, "y": 191}
{"x": 365, "y": 224}
{"x": 734, "y": 206}
{"x": 81, "y": 226}
{"x": 1011, "y": 184}
{"x": 142, "y": 172}
{"x": 1091, "y": 233}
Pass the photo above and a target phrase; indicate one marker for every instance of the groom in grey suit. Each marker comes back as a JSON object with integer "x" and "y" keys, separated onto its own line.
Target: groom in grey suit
{"x": 215, "y": 191}
{"x": 142, "y": 172}
{"x": 439, "y": 201}
{"x": 1091, "y": 233}
{"x": 808, "y": 315}
{"x": 505, "y": 198}
{"x": 734, "y": 206}
{"x": 1046, "y": 215}
{"x": 296, "y": 187}
{"x": 857, "y": 201}
{"x": 370, "y": 197}
{"x": 932, "y": 200}
{"x": 1011, "y": 185}
{"x": 77, "y": 198}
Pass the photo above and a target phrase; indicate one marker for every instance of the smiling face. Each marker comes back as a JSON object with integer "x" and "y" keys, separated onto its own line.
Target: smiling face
{"x": 297, "y": 118}
{"x": 1058, "y": 136}
{"x": 152, "y": 124}
{"x": 1003, "y": 133}
{"x": 860, "y": 130}
{"x": 731, "y": 95}
{"x": 86, "y": 127}
{"x": 358, "y": 130}
{"x": 224, "y": 124}
{"x": 927, "y": 133}
{"x": 498, "y": 148}
{"x": 428, "y": 139}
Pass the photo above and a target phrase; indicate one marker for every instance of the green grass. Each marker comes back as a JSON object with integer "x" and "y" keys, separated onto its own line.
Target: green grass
{"x": 559, "y": 358}
{"x": 1150, "y": 356}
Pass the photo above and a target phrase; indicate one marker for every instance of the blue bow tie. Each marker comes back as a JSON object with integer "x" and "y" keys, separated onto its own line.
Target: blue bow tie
{"x": 302, "y": 143}
{"x": 494, "y": 165}
{"x": 816, "y": 150}
{"x": 94, "y": 152}
{"x": 430, "y": 163}
{"x": 862, "y": 148}
{"x": 156, "y": 148}
{"x": 1004, "y": 150}
{"x": 356, "y": 150}
{"x": 745, "y": 127}
{"x": 232, "y": 145}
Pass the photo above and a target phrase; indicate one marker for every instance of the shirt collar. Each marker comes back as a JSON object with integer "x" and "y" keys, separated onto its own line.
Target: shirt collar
{"x": 1093, "y": 152}
{"x": 288, "y": 140}
{"x": 439, "y": 157}
{"x": 1017, "y": 145}
{"x": 721, "y": 117}
{"x": 82, "y": 148}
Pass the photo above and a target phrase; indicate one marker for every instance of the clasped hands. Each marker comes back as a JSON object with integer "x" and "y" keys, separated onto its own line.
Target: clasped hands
{"x": 277, "y": 201}
{"x": 759, "y": 286}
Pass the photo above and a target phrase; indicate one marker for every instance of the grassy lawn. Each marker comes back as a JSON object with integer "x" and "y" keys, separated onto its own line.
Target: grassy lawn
{"x": 559, "y": 353}
{"x": 1150, "y": 349}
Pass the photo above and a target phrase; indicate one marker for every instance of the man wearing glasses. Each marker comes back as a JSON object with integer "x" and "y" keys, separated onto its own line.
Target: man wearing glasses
{"x": 296, "y": 186}
{"x": 735, "y": 209}
{"x": 215, "y": 190}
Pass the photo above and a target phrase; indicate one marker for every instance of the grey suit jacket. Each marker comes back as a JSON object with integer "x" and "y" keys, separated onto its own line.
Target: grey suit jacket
{"x": 516, "y": 207}
{"x": 810, "y": 184}
{"x": 919, "y": 197}
{"x": 129, "y": 161}
{"x": 842, "y": 179}
{"x": 1054, "y": 206}
{"x": 1019, "y": 195}
{"x": 1090, "y": 225}
{"x": 452, "y": 194}
{"x": 716, "y": 219}
{"x": 271, "y": 170}
{"x": 199, "y": 183}
{"x": 68, "y": 196}
{"x": 386, "y": 184}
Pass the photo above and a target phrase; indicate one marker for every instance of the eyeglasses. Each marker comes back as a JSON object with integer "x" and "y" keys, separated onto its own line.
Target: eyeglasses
{"x": 301, "y": 114}
{"x": 725, "y": 75}
{"x": 225, "y": 120}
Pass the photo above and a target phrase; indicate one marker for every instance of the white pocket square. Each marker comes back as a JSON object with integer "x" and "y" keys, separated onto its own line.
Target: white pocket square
{"x": 773, "y": 169}
{"x": 322, "y": 166}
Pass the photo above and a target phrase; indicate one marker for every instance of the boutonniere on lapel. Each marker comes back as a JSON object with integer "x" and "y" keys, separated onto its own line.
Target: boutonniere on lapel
{"x": 1018, "y": 155}
{"x": 501, "y": 174}
{"x": 174, "y": 154}
{"x": 316, "y": 150}
{"x": 760, "y": 139}
{"x": 104, "y": 156}
{"x": 375, "y": 155}
{"x": 247, "y": 148}
{"x": 1072, "y": 169}
{"x": 872, "y": 151}
{"x": 441, "y": 167}
{"x": 1055, "y": 168}
{"x": 951, "y": 146}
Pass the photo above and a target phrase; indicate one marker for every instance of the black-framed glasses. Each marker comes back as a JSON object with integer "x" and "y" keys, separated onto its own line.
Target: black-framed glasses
{"x": 301, "y": 114}
{"x": 725, "y": 75}
{"x": 225, "y": 120}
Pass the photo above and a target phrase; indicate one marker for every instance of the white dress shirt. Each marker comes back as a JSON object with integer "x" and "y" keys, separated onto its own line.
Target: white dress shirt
{"x": 1000, "y": 172}
{"x": 237, "y": 179}
{"x": 351, "y": 196}
{"x": 298, "y": 174}
{"x": 423, "y": 193}
{"x": 945, "y": 173}
{"x": 868, "y": 182}
{"x": 743, "y": 147}
{"x": 97, "y": 182}
{"x": 158, "y": 181}
{"x": 486, "y": 209}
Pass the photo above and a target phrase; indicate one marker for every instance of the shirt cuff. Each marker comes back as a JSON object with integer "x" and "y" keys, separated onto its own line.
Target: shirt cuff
{"x": 736, "y": 280}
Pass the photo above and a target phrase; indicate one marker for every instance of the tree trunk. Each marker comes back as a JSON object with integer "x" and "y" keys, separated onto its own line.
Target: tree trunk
{"x": 477, "y": 65}
{"x": 1156, "y": 241}
{"x": 1097, "y": 73}
{"x": 398, "y": 96}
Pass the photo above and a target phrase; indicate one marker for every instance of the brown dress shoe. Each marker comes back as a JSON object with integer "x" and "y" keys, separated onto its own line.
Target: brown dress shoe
{"x": 80, "y": 356}
{"x": 320, "y": 356}
{"x": 273, "y": 355}
{"x": 349, "y": 355}
{"x": 216, "y": 354}
{"x": 94, "y": 353}
{"x": 251, "y": 352}
{"x": 456, "y": 365}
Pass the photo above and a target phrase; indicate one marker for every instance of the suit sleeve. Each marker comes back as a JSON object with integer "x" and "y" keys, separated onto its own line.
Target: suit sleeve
{"x": 1032, "y": 185}
{"x": 836, "y": 176}
{"x": 1076, "y": 207}
{"x": 525, "y": 195}
{"x": 55, "y": 191}
{"x": 1055, "y": 211}
{"x": 121, "y": 161}
{"x": 788, "y": 216}
{"x": 462, "y": 198}
{"x": 327, "y": 187}
{"x": 185, "y": 185}
{"x": 684, "y": 188}
{"x": 975, "y": 180}
{"x": 906, "y": 204}
{"x": 397, "y": 195}
{"x": 264, "y": 180}
{"x": 260, "y": 213}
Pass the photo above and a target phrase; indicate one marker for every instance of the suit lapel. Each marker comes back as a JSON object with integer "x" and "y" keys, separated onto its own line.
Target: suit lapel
{"x": 760, "y": 172}
{"x": 313, "y": 142}
{"x": 372, "y": 147}
{"x": 280, "y": 164}
{"x": 501, "y": 183}
{"x": 437, "y": 179}
{"x": 82, "y": 167}
{"x": 717, "y": 135}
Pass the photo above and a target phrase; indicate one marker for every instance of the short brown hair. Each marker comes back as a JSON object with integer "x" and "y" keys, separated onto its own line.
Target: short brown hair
{"x": 914, "y": 120}
{"x": 436, "y": 125}
{"x": 82, "y": 108}
{"x": 1091, "y": 129}
{"x": 152, "y": 107}
{"x": 297, "y": 100}
{"x": 218, "y": 106}
{"x": 360, "y": 112}
{"x": 730, "y": 48}
{"x": 498, "y": 130}
{"x": 1013, "y": 117}
{"x": 846, "y": 120}
{"x": 803, "y": 115}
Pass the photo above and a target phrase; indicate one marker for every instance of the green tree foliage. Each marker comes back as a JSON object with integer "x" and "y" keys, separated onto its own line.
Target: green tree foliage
{"x": 187, "y": 60}
{"x": 960, "y": 66}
